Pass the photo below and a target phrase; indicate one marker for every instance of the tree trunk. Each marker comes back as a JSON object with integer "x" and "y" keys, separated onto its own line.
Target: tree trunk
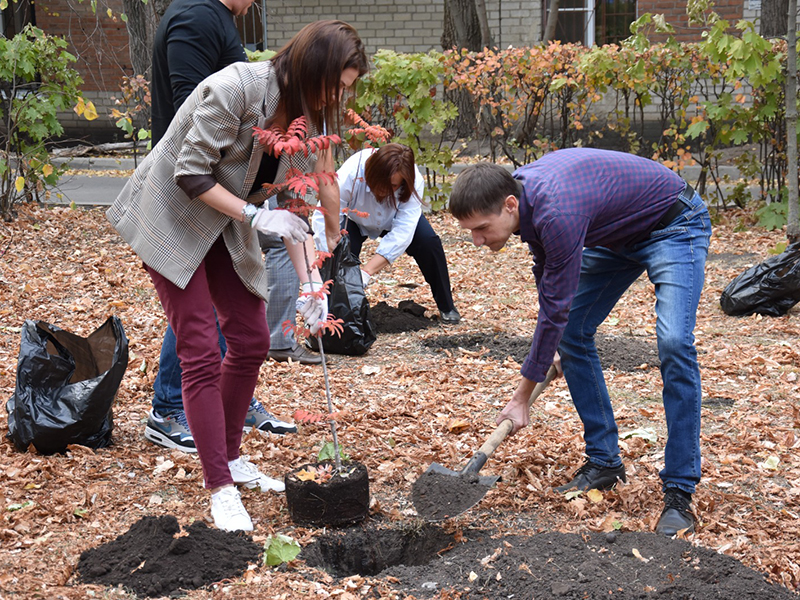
{"x": 552, "y": 21}
{"x": 483, "y": 21}
{"x": 461, "y": 29}
{"x": 141, "y": 26}
{"x": 773, "y": 17}
{"x": 160, "y": 7}
{"x": 793, "y": 221}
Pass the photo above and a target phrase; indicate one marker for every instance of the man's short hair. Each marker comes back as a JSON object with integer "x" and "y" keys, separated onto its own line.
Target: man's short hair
{"x": 481, "y": 189}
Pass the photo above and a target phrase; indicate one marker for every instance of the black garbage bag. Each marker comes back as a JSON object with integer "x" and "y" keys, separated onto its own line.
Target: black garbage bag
{"x": 65, "y": 386}
{"x": 769, "y": 288}
{"x": 348, "y": 302}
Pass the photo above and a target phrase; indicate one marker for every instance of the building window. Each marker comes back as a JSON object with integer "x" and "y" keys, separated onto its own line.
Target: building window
{"x": 591, "y": 22}
{"x": 253, "y": 26}
{"x": 614, "y": 18}
{"x": 14, "y": 18}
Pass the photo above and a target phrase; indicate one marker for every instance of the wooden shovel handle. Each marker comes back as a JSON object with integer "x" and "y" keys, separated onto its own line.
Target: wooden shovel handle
{"x": 502, "y": 430}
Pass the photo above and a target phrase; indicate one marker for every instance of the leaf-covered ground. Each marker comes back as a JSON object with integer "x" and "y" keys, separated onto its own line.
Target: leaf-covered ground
{"x": 407, "y": 405}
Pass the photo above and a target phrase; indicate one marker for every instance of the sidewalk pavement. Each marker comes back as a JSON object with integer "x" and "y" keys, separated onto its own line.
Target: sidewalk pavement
{"x": 92, "y": 190}
{"x": 102, "y": 190}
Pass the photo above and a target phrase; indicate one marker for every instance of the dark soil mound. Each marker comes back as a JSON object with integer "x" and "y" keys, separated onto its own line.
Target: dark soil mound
{"x": 631, "y": 565}
{"x": 408, "y": 316}
{"x": 150, "y": 560}
{"x": 620, "y": 352}
{"x": 437, "y": 496}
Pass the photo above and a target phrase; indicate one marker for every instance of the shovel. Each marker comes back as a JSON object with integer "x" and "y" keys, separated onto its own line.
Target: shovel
{"x": 440, "y": 493}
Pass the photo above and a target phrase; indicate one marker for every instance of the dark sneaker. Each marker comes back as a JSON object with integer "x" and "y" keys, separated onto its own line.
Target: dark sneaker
{"x": 296, "y": 354}
{"x": 677, "y": 514}
{"x": 258, "y": 417}
{"x": 594, "y": 477}
{"x": 170, "y": 431}
{"x": 450, "y": 317}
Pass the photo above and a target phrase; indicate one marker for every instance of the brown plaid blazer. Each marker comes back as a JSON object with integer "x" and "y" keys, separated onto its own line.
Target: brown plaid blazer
{"x": 212, "y": 134}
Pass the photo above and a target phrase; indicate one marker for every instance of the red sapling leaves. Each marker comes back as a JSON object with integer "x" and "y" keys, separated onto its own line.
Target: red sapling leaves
{"x": 304, "y": 416}
{"x": 321, "y": 258}
{"x": 357, "y": 213}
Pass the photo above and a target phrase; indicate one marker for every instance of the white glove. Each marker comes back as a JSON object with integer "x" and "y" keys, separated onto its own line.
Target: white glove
{"x": 365, "y": 278}
{"x": 281, "y": 223}
{"x": 313, "y": 309}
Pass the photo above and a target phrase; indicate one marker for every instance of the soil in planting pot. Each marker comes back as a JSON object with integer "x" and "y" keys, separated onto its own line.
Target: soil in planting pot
{"x": 153, "y": 560}
{"x": 408, "y": 316}
{"x": 474, "y": 565}
{"x": 619, "y": 352}
{"x": 341, "y": 500}
{"x": 437, "y": 496}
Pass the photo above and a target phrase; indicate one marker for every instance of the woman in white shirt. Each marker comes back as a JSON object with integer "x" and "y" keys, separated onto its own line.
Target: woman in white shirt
{"x": 382, "y": 190}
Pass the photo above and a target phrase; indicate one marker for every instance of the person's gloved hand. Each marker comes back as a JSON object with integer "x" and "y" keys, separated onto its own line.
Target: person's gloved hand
{"x": 281, "y": 223}
{"x": 313, "y": 309}
{"x": 365, "y": 278}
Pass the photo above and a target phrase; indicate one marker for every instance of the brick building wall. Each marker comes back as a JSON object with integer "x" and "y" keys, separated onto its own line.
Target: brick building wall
{"x": 100, "y": 45}
{"x": 674, "y": 12}
{"x": 400, "y": 25}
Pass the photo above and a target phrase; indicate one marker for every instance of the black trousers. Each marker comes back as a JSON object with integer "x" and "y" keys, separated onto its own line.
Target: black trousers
{"x": 426, "y": 249}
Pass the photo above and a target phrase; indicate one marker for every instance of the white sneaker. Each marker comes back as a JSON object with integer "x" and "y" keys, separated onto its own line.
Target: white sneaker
{"x": 245, "y": 473}
{"x": 228, "y": 512}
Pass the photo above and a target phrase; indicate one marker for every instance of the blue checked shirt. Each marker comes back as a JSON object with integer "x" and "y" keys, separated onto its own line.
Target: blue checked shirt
{"x": 581, "y": 198}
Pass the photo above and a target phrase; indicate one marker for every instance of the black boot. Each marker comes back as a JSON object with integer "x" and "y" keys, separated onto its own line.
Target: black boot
{"x": 594, "y": 477}
{"x": 450, "y": 317}
{"x": 677, "y": 514}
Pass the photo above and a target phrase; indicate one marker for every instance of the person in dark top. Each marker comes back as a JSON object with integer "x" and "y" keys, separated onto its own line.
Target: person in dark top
{"x": 194, "y": 39}
{"x": 595, "y": 220}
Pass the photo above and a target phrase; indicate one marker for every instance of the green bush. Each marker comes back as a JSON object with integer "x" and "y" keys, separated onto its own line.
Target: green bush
{"x": 36, "y": 83}
{"x": 723, "y": 91}
{"x": 402, "y": 89}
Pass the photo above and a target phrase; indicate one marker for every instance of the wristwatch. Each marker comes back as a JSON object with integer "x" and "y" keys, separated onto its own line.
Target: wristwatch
{"x": 248, "y": 213}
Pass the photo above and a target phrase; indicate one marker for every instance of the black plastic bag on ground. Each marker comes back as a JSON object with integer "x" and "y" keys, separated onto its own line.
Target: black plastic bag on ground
{"x": 65, "y": 386}
{"x": 348, "y": 302}
{"x": 770, "y": 288}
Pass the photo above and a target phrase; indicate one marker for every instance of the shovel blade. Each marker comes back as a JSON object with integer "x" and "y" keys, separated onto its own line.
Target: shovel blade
{"x": 441, "y": 493}
{"x": 486, "y": 480}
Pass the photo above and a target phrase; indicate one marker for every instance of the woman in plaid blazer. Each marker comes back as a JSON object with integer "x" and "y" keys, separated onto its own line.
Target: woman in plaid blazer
{"x": 191, "y": 211}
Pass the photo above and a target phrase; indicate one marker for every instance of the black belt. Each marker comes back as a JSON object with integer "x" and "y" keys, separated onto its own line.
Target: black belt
{"x": 677, "y": 207}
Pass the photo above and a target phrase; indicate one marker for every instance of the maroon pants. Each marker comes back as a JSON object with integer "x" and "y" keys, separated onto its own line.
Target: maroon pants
{"x": 216, "y": 391}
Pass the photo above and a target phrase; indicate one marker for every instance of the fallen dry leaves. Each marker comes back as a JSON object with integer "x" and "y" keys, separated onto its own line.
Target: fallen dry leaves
{"x": 407, "y": 406}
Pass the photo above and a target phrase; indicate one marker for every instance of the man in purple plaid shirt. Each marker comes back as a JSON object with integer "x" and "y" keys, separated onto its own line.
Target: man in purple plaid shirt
{"x": 595, "y": 220}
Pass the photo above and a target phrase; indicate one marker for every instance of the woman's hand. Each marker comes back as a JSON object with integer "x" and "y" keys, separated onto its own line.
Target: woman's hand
{"x": 280, "y": 222}
{"x": 332, "y": 237}
{"x": 313, "y": 307}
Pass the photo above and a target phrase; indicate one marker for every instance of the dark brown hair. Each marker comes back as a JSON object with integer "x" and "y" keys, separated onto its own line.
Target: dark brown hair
{"x": 309, "y": 70}
{"x": 385, "y": 162}
{"x": 481, "y": 189}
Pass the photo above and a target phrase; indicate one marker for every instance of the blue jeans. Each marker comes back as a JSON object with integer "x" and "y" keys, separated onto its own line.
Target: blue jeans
{"x": 674, "y": 259}
{"x": 167, "y": 394}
